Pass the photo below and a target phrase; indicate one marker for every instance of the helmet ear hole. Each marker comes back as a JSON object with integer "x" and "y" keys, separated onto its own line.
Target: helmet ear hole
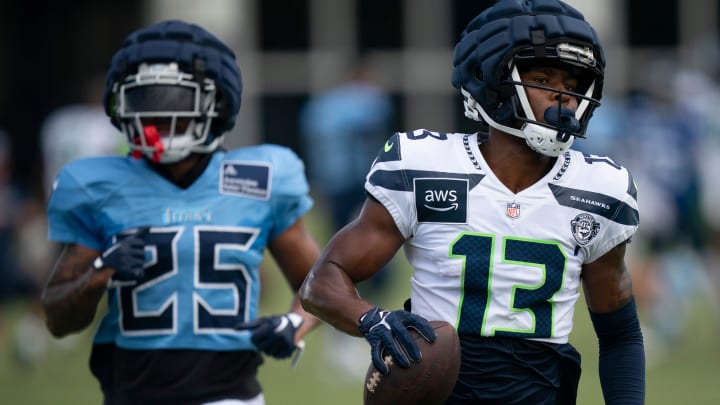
{"x": 504, "y": 112}
{"x": 222, "y": 107}
{"x": 478, "y": 74}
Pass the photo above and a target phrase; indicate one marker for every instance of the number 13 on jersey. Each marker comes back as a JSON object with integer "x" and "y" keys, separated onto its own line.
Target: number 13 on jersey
{"x": 533, "y": 302}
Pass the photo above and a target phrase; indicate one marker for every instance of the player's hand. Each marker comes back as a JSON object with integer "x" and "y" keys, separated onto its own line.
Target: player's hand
{"x": 388, "y": 331}
{"x": 274, "y": 335}
{"x": 126, "y": 257}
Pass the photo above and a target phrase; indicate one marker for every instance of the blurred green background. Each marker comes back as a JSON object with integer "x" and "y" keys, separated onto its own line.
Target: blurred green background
{"x": 332, "y": 368}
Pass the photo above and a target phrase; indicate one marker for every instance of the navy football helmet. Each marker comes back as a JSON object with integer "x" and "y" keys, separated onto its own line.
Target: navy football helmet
{"x": 515, "y": 33}
{"x": 173, "y": 88}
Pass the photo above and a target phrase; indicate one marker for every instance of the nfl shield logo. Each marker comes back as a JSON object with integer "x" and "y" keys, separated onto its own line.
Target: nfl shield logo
{"x": 513, "y": 210}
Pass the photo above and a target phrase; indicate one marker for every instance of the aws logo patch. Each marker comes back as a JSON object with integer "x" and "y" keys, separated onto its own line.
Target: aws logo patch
{"x": 441, "y": 200}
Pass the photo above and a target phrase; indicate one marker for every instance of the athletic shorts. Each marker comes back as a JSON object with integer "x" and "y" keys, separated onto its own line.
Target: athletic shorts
{"x": 507, "y": 371}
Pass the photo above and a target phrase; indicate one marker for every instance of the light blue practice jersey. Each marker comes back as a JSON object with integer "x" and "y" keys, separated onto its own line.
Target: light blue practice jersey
{"x": 204, "y": 247}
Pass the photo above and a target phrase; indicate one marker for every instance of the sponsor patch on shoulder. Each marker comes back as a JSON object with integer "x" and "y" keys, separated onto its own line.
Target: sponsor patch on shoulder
{"x": 441, "y": 200}
{"x": 245, "y": 179}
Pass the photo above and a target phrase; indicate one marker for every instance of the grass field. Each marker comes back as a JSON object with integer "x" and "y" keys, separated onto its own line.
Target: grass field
{"x": 690, "y": 374}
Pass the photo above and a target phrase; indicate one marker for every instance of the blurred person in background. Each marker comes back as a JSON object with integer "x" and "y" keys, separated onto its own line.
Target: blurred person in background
{"x": 23, "y": 253}
{"x": 15, "y": 282}
{"x": 501, "y": 228}
{"x": 173, "y": 234}
{"x": 341, "y": 129}
{"x": 78, "y": 130}
{"x": 10, "y": 204}
{"x": 69, "y": 132}
{"x": 701, "y": 93}
{"x": 670, "y": 151}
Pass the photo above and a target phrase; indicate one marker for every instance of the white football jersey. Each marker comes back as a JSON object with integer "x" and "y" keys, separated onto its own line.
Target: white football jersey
{"x": 488, "y": 260}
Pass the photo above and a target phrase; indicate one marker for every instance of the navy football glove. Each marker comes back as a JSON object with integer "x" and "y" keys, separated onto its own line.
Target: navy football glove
{"x": 275, "y": 335}
{"x": 388, "y": 331}
{"x": 126, "y": 257}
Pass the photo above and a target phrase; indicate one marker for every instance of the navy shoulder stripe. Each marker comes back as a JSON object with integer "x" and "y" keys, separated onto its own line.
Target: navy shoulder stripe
{"x": 596, "y": 203}
{"x": 402, "y": 180}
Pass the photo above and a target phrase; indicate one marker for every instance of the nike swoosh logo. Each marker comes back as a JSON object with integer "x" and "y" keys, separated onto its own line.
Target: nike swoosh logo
{"x": 388, "y": 145}
{"x": 453, "y": 206}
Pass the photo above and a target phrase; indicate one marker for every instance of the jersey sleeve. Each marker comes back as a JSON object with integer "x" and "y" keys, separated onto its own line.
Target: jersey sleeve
{"x": 388, "y": 182}
{"x": 624, "y": 218}
{"x": 71, "y": 212}
{"x": 290, "y": 190}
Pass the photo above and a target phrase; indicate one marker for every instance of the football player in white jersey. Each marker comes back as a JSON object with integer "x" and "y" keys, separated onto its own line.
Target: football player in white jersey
{"x": 501, "y": 228}
{"x": 173, "y": 235}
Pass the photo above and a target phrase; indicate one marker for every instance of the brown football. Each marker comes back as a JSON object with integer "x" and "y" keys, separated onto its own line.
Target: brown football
{"x": 426, "y": 382}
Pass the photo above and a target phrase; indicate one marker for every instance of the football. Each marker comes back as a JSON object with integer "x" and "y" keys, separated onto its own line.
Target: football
{"x": 426, "y": 382}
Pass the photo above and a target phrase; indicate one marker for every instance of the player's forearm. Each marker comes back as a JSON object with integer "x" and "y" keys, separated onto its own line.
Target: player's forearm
{"x": 331, "y": 296}
{"x": 70, "y": 305}
{"x": 622, "y": 356}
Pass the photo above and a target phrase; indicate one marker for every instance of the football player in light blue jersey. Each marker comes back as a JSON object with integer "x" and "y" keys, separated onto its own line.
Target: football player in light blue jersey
{"x": 503, "y": 228}
{"x": 173, "y": 234}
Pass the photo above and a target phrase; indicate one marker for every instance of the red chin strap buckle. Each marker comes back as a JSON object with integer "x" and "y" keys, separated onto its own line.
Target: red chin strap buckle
{"x": 152, "y": 137}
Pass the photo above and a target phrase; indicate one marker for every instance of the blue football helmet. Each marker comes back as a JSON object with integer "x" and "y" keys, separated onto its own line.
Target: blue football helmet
{"x": 516, "y": 33}
{"x": 173, "y": 89}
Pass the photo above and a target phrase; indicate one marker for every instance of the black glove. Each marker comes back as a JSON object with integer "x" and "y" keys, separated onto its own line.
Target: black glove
{"x": 388, "y": 330}
{"x": 274, "y": 335}
{"x": 126, "y": 257}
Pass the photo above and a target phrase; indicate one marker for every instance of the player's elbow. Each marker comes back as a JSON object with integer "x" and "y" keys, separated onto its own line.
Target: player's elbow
{"x": 306, "y": 295}
{"x": 314, "y": 295}
{"x": 61, "y": 324}
{"x": 61, "y": 328}
{"x": 55, "y": 329}
{"x": 55, "y": 325}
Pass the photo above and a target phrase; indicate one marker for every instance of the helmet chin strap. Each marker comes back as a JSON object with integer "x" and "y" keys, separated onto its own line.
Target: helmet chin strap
{"x": 547, "y": 141}
{"x": 543, "y": 140}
